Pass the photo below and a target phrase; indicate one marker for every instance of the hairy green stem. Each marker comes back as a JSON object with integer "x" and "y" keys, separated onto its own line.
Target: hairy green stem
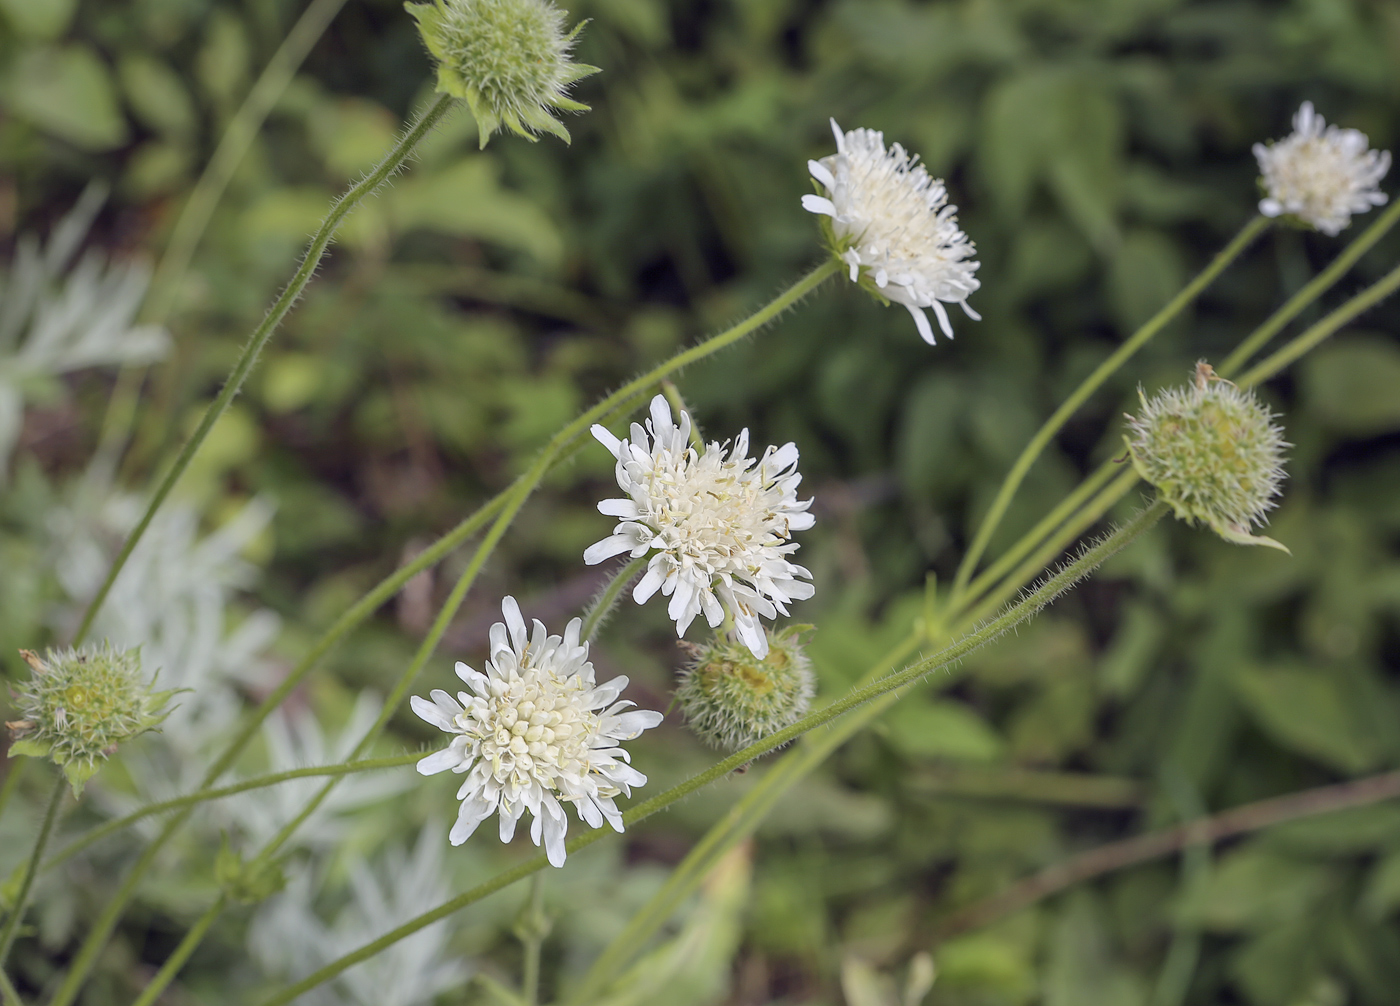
{"x": 1296, "y": 347}
{"x": 199, "y": 208}
{"x": 514, "y": 498}
{"x": 15, "y": 771}
{"x": 1026, "y": 608}
{"x": 741, "y": 820}
{"x": 31, "y": 870}
{"x": 233, "y": 146}
{"x": 1087, "y": 387}
{"x": 8, "y": 993}
{"x": 177, "y": 960}
{"x": 1315, "y": 288}
{"x": 531, "y": 930}
{"x": 603, "y": 605}
{"x": 201, "y": 796}
{"x": 391, "y": 163}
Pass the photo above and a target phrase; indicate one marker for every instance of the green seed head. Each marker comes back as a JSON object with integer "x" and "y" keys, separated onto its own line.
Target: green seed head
{"x": 508, "y": 59}
{"x": 79, "y": 704}
{"x": 1212, "y": 452}
{"x": 732, "y": 699}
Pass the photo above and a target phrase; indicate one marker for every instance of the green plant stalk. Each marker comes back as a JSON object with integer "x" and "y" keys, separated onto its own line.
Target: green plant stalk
{"x": 1309, "y": 339}
{"x": 557, "y": 448}
{"x": 391, "y": 163}
{"x": 201, "y": 796}
{"x": 177, "y": 960}
{"x": 745, "y": 816}
{"x": 233, "y": 146}
{"x": 31, "y": 870}
{"x": 357, "y": 613}
{"x": 532, "y": 942}
{"x": 1087, "y": 387}
{"x": 1315, "y": 288}
{"x": 1026, "y": 608}
{"x": 199, "y": 208}
{"x": 11, "y": 784}
{"x": 742, "y": 819}
{"x": 8, "y": 993}
{"x": 514, "y": 499}
{"x": 607, "y": 599}
{"x": 983, "y": 581}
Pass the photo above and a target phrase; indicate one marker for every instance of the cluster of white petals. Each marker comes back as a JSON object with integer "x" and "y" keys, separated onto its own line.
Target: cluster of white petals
{"x": 534, "y": 731}
{"x": 721, "y": 524}
{"x": 1321, "y": 174}
{"x": 891, "y": 223}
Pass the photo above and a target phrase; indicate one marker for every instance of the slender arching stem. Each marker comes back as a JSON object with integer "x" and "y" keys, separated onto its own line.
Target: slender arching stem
{"x": 1315, "y": 288}
{"x": 607, "y": 598}
{"x": 31, "y": 870}
{"x": 391, "y": 163}
{"x": 1087, "y": 387}
{"x": 1026, "y": 608}
{"x": 510, "y": 503}
{"x": 201, "y": 796}
{"x": 1296, "y": 347}
{"x": 188, "y": 944}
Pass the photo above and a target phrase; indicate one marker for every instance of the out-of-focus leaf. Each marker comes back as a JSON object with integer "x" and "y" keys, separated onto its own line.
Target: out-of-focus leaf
{"x": 987, "y": 964}
{"x": 155, "y": 167}
{"x": 351, "y": 134}
{"x": 693, "y": 968}
{"x": 223, "y": 61}
{"x": 157, "y": 94}
{"x": 1082, "y": 967}
{"x": 1132, "y": 649}
{"x": 1085, "y": 158}
{"x": 1345, "y": 832}
{"x": 67, "y": 92}
{"x": 1017, "y": 121}
{"x": 467, "y": 200}
{"x": 941, "y": 730}
{"x": 1145, "y": 272}
{"x": 1252, "y": 888}
{"x": 1280, "y": 966}
{"x": 1312, "y": 713}
{"x": 1351, "y": 384}
{"x": 1047, "y": 256}
{"x": 1380, "y": 894}
{"x": 39, "y": 20}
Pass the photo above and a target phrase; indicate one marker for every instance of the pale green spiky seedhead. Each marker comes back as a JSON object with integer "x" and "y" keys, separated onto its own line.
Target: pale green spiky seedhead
{"x": 79, "y": 704}
{"x": 508, "y": 59}
{"x": 732, "y": 698}
{"x": 1213, "y": 452}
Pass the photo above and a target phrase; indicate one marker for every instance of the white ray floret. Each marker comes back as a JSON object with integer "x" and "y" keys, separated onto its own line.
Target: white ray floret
{"x": 719, "y": 521}
{"x": 535, "y": 732}
{"x": 1321, "y": 174}
{"x": 890, "y": 222}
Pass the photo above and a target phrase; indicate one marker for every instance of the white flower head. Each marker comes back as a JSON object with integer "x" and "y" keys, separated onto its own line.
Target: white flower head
{"x": 720, "y": 522}
{"x": 889, "y": 220}
{"x": 534, "y": 731}
{"x": 1320, "y": 174}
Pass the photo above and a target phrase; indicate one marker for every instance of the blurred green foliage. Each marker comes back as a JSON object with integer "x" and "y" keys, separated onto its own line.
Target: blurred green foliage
{"x": 1099, "y": 150}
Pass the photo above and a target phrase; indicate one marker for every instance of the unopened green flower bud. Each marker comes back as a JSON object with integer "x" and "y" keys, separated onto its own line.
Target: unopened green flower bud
{"x": 508, "y": 59}
{"x": 732, "y": 698}
{"x": 79, "y": 704}
{"x": 1212, "y": 452}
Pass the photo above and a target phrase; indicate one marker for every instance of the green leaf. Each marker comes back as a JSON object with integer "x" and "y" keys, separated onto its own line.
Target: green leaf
{"x": 223, "y": 61}
{"x": 40, "y": 20}
{"x": 30, "y": 748}
{"x": 941, "y": 729}
{"x": 157, "y": 95}
{"x": 1380, "y": 895}
{"x": 1144, "y": 273}
{"x": 68, "y": 92}
{"x": 467, "y": 200}
{"x": 78, "y": 772}
{"x": 987, "y": 964}
{"x": 1252, "y": 888}
{"x": 1312, "y": 713}
{"x": 1351, "y": 385}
